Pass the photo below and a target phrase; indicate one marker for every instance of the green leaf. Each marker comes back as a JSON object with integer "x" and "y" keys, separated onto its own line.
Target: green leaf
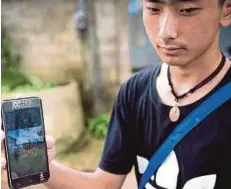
{"x": 97, "y": 126}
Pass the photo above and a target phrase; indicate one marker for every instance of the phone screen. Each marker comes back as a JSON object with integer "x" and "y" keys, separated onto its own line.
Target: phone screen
{"x": 25, "y": 141}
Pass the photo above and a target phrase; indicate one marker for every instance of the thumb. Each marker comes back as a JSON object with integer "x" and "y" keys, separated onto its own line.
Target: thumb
{"x": 2, "y": 138}
{"x": 3, "y": 164}
{"x": 2, "y": 135}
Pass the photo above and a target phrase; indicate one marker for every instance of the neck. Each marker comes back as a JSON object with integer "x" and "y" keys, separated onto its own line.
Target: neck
{"x": 194, "y": 72}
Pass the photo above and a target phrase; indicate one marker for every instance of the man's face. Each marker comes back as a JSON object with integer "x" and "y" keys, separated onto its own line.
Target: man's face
{"x": 182, "y": 30}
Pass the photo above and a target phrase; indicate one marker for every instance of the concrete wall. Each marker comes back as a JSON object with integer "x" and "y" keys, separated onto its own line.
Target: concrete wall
{"x": 44, "y": 34}
{"x": 112, "y": 30}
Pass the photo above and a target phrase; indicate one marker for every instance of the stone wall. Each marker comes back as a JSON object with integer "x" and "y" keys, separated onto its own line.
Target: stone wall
{"x": 112, "y": 23}
{"x": 44, "y": 34}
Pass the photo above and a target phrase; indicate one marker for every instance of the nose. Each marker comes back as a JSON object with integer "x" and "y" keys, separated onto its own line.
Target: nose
{"x": 168, "y": 26}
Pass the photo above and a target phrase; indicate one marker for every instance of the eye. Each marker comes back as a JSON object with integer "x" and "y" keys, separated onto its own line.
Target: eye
{"x": 189, "y": 11}
{"x": 152, "y": 10}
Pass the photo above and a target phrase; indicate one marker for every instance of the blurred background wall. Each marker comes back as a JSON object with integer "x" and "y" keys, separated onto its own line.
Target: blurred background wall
{"x": 44, "y": 33}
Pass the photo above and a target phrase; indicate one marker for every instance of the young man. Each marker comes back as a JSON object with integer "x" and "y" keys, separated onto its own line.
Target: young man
{"x": 185, "y": 33}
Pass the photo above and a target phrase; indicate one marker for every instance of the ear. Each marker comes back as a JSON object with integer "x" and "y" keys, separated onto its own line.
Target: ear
{"x": 226, "y": 14}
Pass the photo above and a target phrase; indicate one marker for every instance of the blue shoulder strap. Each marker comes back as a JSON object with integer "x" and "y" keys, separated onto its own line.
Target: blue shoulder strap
{"x": 190, "y": 122}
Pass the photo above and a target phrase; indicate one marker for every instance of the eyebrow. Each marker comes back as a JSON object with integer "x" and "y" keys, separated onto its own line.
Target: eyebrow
{"x": 172, "y": 1}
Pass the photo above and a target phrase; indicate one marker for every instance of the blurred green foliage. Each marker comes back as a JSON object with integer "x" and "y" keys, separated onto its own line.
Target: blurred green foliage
{"x": 13, "y": 79}
{"x": 97, "y": 126}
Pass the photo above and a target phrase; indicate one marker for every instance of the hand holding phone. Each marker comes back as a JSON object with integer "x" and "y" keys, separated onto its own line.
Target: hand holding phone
{"x": 26, "y": 149}
{"x": 50, "y": 149}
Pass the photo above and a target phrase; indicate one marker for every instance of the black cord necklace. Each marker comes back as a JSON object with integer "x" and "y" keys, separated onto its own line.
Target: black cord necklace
{"x": 174, "y": 113}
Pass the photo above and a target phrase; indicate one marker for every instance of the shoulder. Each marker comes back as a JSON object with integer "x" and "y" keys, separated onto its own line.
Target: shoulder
{"x": 133, "y": 89}
{"x": 140, "y": 80}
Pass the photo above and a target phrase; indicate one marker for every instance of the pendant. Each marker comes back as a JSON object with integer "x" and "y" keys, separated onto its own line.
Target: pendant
{"x": 174, "y": 113}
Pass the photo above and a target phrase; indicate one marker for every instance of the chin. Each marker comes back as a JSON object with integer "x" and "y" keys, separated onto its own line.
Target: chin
{"x": 174, "y": 60}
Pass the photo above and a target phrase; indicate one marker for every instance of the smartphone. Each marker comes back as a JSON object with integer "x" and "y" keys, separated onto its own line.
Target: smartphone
{"x": 25, "y": 143}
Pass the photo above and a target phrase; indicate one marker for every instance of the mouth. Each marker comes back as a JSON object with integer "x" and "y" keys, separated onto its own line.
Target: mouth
{"x": 171, "y": 50}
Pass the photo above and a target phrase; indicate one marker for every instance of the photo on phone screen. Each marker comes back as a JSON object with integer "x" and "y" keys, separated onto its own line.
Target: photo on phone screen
{"x": 26, "y": 147}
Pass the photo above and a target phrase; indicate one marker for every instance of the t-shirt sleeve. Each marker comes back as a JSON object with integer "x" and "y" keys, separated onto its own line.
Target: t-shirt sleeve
{"x": 118, "y": 154}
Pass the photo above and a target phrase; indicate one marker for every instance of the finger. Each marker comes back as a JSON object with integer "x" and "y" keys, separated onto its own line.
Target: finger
{"x": 2, "y": 135}
{"x": 3, "y": 164}
{"x": 50, "y": 142}
{"x": 2, "y": 138}
{"x": 51, "y": 154}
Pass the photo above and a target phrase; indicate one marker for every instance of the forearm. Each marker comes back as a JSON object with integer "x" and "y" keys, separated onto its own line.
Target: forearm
{"x": 64, "y": 177}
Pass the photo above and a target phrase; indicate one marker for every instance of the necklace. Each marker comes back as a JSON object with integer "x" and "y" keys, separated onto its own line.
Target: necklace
{"x": 174, "y": 113}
